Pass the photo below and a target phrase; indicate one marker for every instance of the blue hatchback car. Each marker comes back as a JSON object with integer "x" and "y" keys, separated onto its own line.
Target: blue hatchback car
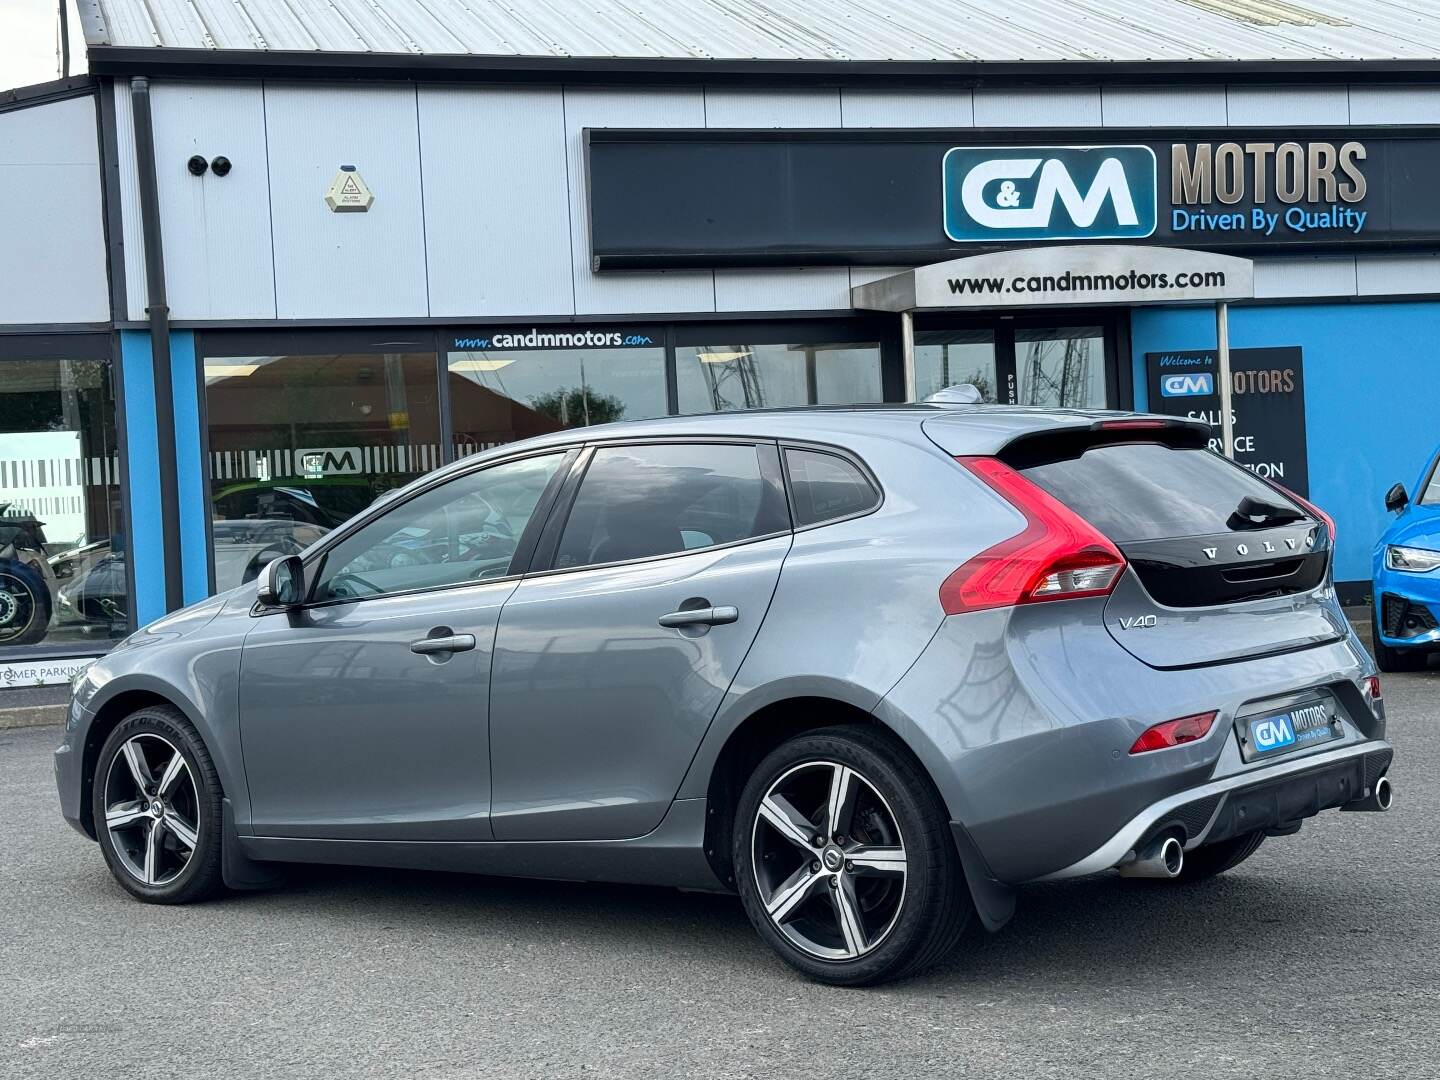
{"x": 1407, "y": 575}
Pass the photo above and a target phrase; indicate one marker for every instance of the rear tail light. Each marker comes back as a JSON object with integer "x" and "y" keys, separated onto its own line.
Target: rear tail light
{"x": 1057, "y": 556}
{"x": 1174, "y": 732}
{"x": 1310, "y": 508}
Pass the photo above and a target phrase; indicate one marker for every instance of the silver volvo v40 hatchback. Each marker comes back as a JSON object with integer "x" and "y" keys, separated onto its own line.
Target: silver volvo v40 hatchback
{"x": 869, "y": 668}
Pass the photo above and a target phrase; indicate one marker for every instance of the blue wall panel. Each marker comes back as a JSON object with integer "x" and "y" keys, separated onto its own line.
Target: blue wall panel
{"x": 146, "y": 544}
{"x": 190, "y": 467}
{"x": 1370, "y": 376}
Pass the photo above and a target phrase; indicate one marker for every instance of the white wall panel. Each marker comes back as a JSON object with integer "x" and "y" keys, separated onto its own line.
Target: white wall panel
{"x": 497, "y": 223}
{"x": 52, "y": 236}
{"x": 1163, "y": 106}
{"x": 618, "y": 294}
{"x": 350, "y": 265}
{"x": 1395, "y": 104}
{"x": 772, "y": 108}
{"x": 816, "y": 288}
{"x": 134, "y": 250}
{"x": 1288, "y": 106}
{"x": 215, "y": 229}
{"x": 1397, "y": 275}
{"x": 907, "y": 108}
{"x": 1301, "y": 277}
{"x": 1079, "y": 106}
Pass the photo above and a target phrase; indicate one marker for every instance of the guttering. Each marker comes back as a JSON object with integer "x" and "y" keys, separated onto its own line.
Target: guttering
{"x": 157, "y": 307}
{"x": 169, "y": 62}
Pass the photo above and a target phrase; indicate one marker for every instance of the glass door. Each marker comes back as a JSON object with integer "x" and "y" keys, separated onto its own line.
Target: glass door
{"x": 1045, "y": 361}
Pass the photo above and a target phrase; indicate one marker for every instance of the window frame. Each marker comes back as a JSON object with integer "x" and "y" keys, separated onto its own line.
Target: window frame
{"x": 313, "y": 561}
{"x": 767, "y": 452}
{"x": 833, "y": 451}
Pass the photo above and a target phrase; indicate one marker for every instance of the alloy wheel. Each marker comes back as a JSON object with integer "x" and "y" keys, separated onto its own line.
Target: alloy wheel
{"x": 151, "y": 809}
{"x": 829, "y": 860}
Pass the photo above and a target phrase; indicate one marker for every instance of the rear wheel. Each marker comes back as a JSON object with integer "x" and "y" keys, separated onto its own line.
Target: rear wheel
{"x": 844, "y": 859}
{"x": 156, "y": 800}
{"x": 24, "y": 604}
{"x": 1205, "y": 862}
{"x": 1390, "y": 659}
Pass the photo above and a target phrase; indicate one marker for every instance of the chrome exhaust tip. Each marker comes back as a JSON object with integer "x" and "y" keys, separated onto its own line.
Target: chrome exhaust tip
{"x": 1163, "y": 858}
{"x": 1380, "y": 798}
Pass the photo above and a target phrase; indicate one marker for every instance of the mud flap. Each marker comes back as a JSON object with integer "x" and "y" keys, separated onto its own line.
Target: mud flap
{"x": 239, "y": 870}
{"x": 994, "y": 900}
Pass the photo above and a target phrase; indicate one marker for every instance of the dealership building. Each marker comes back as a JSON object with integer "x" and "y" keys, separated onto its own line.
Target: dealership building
{"x": 272, "y": 258}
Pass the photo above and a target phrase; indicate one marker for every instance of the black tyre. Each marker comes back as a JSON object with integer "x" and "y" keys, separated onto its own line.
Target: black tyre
{"x": 24, "y": 604}
{"x": 1390, "y": 659}
{"x": 1205, "y": 862}
{"x": 156, "y": 800}
{"x": 844, "y": 859}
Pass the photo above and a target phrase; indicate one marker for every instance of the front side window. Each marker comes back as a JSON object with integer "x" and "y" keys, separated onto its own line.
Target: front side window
{"x": 62, "y": 547}
{"x": 638, "y": 502}
{"x": 730, "y": 378}
{"x": 464, "y": 530}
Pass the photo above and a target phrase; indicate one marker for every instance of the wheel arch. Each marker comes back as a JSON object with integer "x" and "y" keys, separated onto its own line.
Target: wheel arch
{"x": 758, "y": 733}
{"x": 108, "y": 716}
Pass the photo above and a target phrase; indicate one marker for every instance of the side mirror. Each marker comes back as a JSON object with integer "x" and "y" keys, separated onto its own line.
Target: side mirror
{"x": 281, "y": 583}
{"x": 1396, "y": 499}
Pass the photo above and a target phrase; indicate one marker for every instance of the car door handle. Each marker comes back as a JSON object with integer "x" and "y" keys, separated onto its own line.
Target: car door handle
{"x": 705, "y": 616}
{"x": 451, "y": 643}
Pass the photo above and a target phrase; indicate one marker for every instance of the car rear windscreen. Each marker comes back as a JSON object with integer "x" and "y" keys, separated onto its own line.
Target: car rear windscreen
{"x": 1145, "y": 491}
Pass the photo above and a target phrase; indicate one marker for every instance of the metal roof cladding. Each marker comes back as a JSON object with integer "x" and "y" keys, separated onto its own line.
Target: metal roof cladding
{"x": 833, "y": 31}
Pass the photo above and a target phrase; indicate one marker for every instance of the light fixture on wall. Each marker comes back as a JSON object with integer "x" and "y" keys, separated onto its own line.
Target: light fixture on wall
{"x": 479, "y": 365}
{"x": 720, "y": 356}
{"x": 228, "y": 371}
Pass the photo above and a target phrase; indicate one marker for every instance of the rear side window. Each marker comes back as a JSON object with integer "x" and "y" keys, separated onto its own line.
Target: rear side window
{"x": 639, "y": 502}
{"x": 1145, "y": 491}
{"x": 825, "y": 487}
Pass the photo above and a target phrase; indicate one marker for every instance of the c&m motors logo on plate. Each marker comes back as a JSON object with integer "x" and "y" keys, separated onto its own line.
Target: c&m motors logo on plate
{"x": 1200, "y": 384}
{"x": 995, "y": 193}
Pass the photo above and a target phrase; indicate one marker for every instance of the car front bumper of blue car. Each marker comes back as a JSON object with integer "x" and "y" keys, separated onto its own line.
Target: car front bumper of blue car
{"x": 1407, "y": 607}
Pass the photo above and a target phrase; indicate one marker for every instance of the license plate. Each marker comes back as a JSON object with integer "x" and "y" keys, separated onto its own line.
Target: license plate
{"x": 1279, "y": 732}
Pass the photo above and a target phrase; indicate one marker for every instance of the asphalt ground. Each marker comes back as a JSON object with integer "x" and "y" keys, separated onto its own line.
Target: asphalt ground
{"x": 1318, "y": 957}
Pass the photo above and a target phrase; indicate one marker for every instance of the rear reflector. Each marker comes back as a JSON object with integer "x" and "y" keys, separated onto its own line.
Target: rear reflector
{"x": 1371, "y": 688}
{"x": 1174, "y": 732}
{"x": 1057, "y": 556}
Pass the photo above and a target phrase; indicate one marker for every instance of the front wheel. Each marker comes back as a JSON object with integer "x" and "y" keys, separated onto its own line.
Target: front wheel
{"x": 156, "y": 800}
{"x": 844, "y": 859}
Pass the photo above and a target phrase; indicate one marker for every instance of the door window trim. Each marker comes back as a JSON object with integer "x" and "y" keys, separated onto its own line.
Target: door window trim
{"x": 524, "y": 548}
{"x": 771, "y": 473}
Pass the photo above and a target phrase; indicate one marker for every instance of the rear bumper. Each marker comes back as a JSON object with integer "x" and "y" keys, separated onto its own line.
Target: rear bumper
{"x": 1284, "y": 792}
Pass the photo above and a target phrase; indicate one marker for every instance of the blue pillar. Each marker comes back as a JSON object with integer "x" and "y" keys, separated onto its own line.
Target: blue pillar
{"x": 147, "y": 542}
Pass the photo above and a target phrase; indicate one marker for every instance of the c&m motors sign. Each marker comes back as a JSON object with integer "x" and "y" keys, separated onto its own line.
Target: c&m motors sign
{"x": 671, "y": 199}
{"x": 994, "y": 193}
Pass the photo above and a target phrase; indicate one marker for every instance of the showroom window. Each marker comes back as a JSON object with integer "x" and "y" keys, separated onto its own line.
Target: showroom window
{"x": 758, "y": 375}
{"x": 1061, "y": 366}
{"x": 947, "y": 357}
{"x": 299, "y": 442}
{"x": 513, "y": 382}
{"x": 63, "y": 574}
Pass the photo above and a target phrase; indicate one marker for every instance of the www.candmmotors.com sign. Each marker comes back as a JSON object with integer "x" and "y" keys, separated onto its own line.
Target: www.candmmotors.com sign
{"x": 713, "y": 198}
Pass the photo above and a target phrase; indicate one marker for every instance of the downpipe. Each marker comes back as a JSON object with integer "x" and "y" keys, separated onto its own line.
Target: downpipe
{"x": 1377, "y": 801}
{"x": 1162, "y": 858}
